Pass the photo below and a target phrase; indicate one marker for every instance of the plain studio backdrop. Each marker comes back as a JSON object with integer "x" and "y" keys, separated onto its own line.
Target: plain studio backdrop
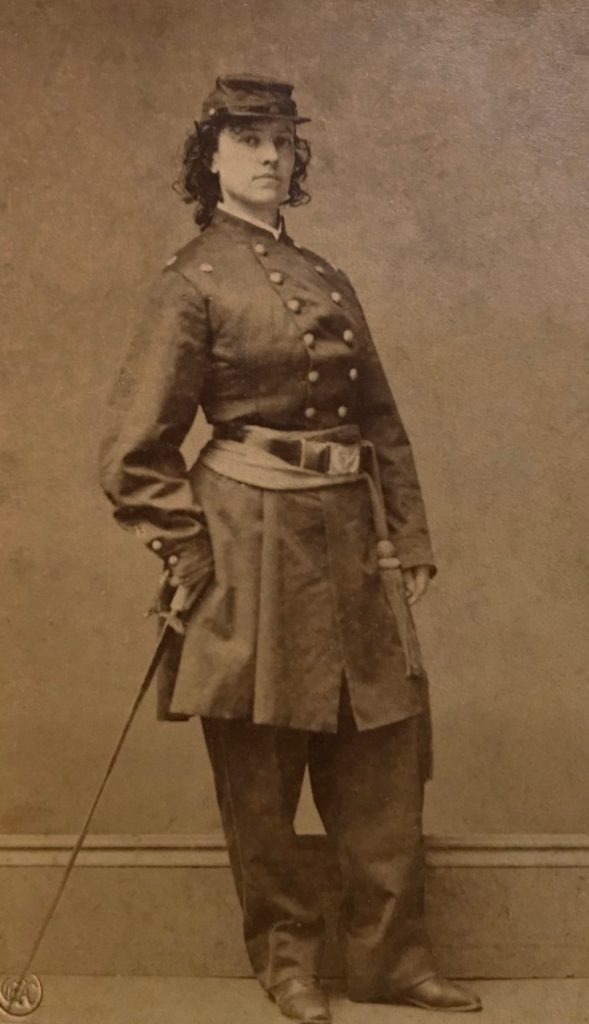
{"x": 449, "y": 180}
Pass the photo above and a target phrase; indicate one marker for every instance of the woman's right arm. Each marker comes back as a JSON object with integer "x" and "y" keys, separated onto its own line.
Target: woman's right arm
{"x": 153, "y": 406}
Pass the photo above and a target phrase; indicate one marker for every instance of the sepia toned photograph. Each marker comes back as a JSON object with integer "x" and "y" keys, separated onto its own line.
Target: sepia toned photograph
{"x": 294, "y": 476}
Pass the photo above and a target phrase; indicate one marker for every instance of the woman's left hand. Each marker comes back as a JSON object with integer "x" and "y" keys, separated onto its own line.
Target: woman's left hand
{"x": 416, "y": 580}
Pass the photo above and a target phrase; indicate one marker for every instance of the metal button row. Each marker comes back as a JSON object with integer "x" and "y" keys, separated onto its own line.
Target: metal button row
{"x": 313, "y": 375}
{"x": 311, "y": 412}
{"x": 310, "y": 339}
{"x": 295, "y": 304}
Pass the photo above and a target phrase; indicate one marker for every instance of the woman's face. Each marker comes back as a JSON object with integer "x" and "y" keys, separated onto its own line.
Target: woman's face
{"x": 255, "y": 164}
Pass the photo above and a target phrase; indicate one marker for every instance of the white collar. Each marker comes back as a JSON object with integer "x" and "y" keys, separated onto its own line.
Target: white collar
{"x": 277, "y": 232}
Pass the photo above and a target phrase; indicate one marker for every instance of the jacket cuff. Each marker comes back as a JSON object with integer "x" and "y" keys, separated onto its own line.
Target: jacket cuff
{"x": 193, "y": 562}
{"x": 172, "y": 548}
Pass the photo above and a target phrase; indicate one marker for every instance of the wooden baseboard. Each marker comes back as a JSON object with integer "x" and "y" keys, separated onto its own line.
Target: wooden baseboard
{"x": 498, "y": 905}
{"x": 209, "y": 850}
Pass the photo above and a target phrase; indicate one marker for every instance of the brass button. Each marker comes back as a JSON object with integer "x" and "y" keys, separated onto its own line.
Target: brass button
{"x": 309, "y": 339}
{"x": 295, "y": 305}
{"x": 320, "y": 270}
{"x": 206, "y": 268}
{"x": 336, "y": 297}
{"x": 156, "y": 545}
{"x": 313, "y": 376}
{"x": 260, "y": 249}
{"x": 342, "y": 412}
{"x": 276, "y": 277}
{"x": 310, "y": 413}
{"x": 348, "y": 335}
{"x": 353, "y": 374}
{"x": 173, "y": 560}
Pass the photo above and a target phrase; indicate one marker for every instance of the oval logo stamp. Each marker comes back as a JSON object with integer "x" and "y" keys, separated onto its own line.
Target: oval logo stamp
{"x": 20, "y": 998}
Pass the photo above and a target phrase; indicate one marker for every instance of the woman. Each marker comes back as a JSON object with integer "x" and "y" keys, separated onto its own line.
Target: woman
{"x": 297, "y": 647}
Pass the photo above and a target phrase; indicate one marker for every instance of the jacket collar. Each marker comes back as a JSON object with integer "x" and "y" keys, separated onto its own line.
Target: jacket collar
{"x": 240, "y": 227}
{"x": 254, "y": 220}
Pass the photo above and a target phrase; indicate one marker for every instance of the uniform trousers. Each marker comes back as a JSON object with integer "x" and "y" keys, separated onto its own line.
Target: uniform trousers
{"x": 368, "y": 788}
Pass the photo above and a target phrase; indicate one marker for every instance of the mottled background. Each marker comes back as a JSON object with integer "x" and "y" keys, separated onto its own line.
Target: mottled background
{"x": 450, "y": 181}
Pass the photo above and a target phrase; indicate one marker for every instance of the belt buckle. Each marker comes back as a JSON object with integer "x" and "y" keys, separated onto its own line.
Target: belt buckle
{"x": 344, "y": 459}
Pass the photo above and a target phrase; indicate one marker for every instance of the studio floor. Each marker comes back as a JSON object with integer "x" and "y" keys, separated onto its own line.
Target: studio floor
{"x": 133, "y": 1000}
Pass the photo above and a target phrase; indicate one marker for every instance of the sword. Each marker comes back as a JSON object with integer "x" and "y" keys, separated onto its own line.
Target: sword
{"x": 22, "y": 994}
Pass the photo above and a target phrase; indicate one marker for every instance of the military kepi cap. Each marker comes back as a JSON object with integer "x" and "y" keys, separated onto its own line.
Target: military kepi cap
{"x": 251, "y": 96}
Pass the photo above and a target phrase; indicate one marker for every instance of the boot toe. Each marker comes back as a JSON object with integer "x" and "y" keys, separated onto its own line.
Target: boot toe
{"x": 301, "y": 999}
{"x": 440, "y": 994}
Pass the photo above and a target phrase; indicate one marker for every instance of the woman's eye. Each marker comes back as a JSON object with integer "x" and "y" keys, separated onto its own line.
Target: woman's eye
{"x": 285, "y": 142}
{"x": 250, "y": 140}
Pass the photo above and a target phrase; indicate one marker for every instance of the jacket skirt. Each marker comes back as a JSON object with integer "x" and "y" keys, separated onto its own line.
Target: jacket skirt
{"x": 295, "y": 603}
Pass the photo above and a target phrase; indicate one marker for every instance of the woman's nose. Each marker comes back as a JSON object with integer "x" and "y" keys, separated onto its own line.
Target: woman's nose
{"x": 268, "y": 153}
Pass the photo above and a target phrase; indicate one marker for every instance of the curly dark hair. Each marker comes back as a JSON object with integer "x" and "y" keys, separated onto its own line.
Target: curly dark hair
{"x": 197, "y": 183}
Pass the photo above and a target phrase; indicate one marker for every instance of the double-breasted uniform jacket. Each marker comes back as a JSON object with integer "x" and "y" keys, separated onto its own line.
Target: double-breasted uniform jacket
{"x": 258, "y": 330}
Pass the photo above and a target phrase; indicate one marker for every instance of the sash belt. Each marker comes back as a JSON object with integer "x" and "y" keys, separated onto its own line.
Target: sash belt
{"x": 335, "y": 452}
